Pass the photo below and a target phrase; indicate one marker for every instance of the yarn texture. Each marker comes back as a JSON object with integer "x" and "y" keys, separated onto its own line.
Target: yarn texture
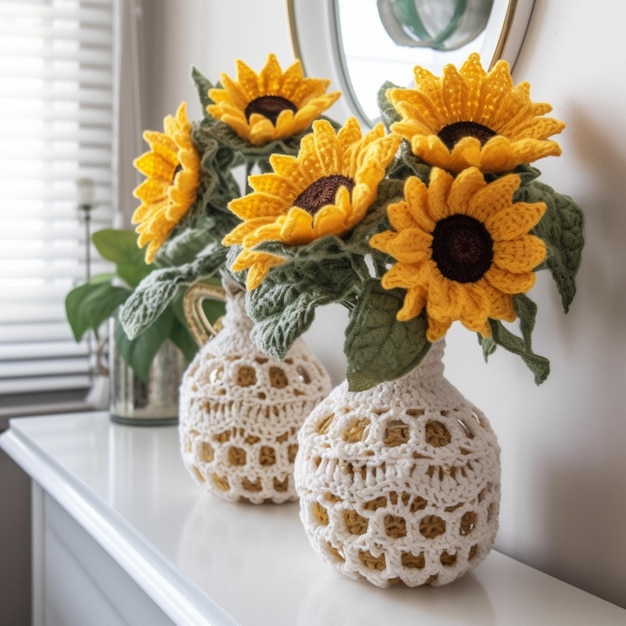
{"x": 240, "y": 412}
{"x": 400, "y": 484}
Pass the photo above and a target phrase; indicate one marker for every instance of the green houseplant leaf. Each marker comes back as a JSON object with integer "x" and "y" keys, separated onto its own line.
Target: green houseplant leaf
{"x": 120, "y": 247}
{"x": 140, "y": 352}
{"x": 88, "y": 306}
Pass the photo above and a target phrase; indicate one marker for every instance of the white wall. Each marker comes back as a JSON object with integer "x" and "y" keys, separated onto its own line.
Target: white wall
{"x": 563, "y": 444}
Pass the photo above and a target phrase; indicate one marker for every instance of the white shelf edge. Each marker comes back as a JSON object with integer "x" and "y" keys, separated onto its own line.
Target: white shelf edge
{"x": 179, "y": 598}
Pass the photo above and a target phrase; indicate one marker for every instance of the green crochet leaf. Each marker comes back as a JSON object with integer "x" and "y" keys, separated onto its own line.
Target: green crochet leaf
{"x": 378, "y": 347}
{"x": 203, "y": 85}
{"x": 488, "y": 345}
{"x": 227, "y": 138}
{"x": 407, "y": 164}
{"x": 218, "y": 185}
{"x": 526, "y": 310}
{"x": 388, "y": 113}
{"x": 152, "y": 296}
{"x": 283, "y": 305}
{"x": 187, "y": 241}
{"x": 561, "y": 228}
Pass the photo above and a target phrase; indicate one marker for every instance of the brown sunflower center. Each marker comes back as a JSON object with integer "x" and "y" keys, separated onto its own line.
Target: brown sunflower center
{"x": 462, "y": 248}
{"x": 322, "y": 192}
{"x": 270, "y": 107}
{"x": 452, "y": 133}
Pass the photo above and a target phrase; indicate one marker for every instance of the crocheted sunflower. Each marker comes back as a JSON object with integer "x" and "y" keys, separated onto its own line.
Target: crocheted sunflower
{"x": 469, "y": 117}
{"x": 272, "y": 104}
{"x": 172, "y": 168}
{"x": 462, "y": 249}
{"x": 325, "y": 190}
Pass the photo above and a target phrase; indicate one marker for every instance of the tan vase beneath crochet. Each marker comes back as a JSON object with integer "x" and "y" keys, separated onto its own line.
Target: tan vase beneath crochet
{"x": 400, "y": 484}
{"x": 240, "y": 411}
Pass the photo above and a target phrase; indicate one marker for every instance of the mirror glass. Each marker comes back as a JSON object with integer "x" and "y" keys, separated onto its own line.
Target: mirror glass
{"x": 360, "y": 44}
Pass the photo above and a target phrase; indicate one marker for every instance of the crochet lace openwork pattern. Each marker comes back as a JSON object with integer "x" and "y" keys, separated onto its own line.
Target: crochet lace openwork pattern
{"x": 240, "y": 412}
{"x": 400, "y": 484}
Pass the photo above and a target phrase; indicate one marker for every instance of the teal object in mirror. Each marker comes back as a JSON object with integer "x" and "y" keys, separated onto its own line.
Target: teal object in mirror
{"x": 441, "y": 25}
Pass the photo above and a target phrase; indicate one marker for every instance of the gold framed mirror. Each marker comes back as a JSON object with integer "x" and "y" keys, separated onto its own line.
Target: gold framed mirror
{"x": 360, "y": 44}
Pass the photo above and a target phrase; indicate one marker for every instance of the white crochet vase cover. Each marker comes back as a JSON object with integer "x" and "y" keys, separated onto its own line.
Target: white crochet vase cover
{"x": 400, "y": 484}
{"x": 240, "y": 412}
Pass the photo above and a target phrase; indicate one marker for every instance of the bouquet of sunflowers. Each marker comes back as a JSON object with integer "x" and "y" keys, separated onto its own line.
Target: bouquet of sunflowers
{"x": 434, "y": 215}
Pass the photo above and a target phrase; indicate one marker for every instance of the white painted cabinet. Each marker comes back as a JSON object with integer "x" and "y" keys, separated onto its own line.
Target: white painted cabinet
{"x": 76, "y": 582}
{"x": 122, "y": 535}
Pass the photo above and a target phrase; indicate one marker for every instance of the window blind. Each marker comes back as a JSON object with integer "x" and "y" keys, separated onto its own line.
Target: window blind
{"x": 56, "y": 112}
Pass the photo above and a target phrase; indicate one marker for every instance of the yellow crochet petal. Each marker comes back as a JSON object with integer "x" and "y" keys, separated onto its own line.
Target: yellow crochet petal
{"x": 473, "y": 76}
{"x": 258, "y": 263}
{"x": 438, "y": 191}
{"x": 414, "y": 210}
{"x": 274, "y": 185}
{"x": 500, "y": 303}
{"x": 493, "y": 198}
{"x": 332, "y": 220}
{"x": 243, "y": 230}
{"x": 411, "y": 126}
{"x": 465, "y": 187}
{"x": 400, "y": 215}
{"x": 454, "y": 85}
{"x": 475, "y": 306}
{"x": 520, "y": 255}
{"x": 437, "y": 329}
{"x": 263, "y": 232}
{"x": 156, "y": 166}
{"x": 407, "y": 276}
{"x": 250, "y": 83}
{"x": 288, "y": 167}
{"x": 234, "y": 93}
{"x": 297, "y": 227}
{"x": 292, "y": 81}
{"x": 489, "y": 103}
{"x": 349, "y": 134}
{"x": 514, "y": 220}
{"x": 414, "y": 302}
{"x": 151, "y": 190}
{"x": 261, "y": 130}
{"x": 445, "y": 297}
{"x": 258, "y": 204}
{"x": 308, "y": 157}
{"x": 271, "y": 76}
{"x": 411, "y": 245}
{"x": 327, "y": 149}
{"x": 509, "y": 283}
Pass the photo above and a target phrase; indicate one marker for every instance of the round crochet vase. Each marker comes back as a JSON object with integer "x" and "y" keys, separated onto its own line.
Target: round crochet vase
{"x": 240, "y": 411}
{"x": 400, "y": 484}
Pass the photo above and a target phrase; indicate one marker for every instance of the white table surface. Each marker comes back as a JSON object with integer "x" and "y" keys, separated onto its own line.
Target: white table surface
{"x": 207, "y": 561}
